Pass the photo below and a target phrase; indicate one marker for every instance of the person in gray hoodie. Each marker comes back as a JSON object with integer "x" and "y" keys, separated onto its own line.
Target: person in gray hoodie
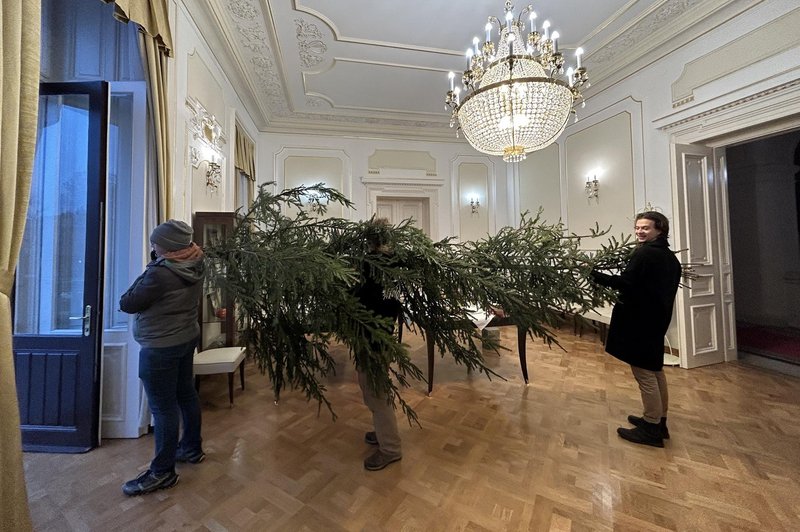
{"x": 165, "y": 299}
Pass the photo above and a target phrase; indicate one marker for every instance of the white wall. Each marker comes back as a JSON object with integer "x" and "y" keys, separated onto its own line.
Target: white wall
{"x": 652, "y": 88}
{"x": 448, "y": 157}
{"x": 663, "y": 117}
{"x": 195, "y": 72}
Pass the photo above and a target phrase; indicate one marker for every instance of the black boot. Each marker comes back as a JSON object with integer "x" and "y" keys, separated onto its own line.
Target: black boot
{"x": 646, "y": 434}
{"x": 638, "y": 421}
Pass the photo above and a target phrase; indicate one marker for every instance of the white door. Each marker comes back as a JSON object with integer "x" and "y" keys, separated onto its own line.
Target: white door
{"x": 725, "y": 258}
{"x": 121, "y": 398}
{"x": 398, "y": 209}
{"x": 700, "y": 305}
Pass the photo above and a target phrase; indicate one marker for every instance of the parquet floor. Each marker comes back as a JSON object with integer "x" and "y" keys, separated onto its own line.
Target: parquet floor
{"x": 491, "y": 455}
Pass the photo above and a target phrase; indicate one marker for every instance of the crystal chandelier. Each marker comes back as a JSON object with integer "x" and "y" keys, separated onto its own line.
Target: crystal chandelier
{"x": 517, "y": 97}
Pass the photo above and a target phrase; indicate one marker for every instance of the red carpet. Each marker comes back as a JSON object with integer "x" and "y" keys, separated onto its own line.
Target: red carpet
{"x": 774, "y": 342}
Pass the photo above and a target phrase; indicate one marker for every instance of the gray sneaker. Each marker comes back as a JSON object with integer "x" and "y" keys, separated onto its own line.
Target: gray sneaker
{"x": 148, "y": 482}
{"x": 378, "y": 460}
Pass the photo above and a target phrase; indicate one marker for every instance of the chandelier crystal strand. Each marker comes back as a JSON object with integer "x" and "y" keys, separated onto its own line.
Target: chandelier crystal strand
{"x": 516, "y": 98}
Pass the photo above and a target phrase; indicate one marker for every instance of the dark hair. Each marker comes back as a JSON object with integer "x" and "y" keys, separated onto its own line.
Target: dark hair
{"x": 377, "y": 232}
{"x": 660, "y": 221}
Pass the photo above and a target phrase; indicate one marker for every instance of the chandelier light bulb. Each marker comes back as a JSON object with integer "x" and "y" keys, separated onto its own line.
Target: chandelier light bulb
{"x": 488, "y": 29}
{"x": 532, "y": 19}
{"x": 451, "y": 76}
{"x": 578, "y": 54}
{"x": 555, "y": 37}
{"x": 475, "y": 42}
{"x": 570, "y": 72}
{"x": 546, "y": 29}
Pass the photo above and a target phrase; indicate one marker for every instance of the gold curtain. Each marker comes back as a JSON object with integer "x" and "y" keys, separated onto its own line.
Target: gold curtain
{"x": 155, "y": 60}
{"x": 19, "y": 82}
{"x": 155, "y": 44}
{"x": 151, "y": 15}
{"x": 244, "y": 154}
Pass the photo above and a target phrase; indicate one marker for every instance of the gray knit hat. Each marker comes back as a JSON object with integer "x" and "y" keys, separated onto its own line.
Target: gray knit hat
{"x": 172, "y": 235}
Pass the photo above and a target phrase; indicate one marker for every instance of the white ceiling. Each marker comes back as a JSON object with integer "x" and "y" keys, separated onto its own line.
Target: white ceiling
{"x": 379, "y": 68}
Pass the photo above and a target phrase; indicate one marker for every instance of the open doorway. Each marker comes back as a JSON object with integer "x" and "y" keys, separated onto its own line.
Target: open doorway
{"x": 764, "y": 199}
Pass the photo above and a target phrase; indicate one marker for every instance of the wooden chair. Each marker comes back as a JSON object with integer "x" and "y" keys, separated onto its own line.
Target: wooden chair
{"x": 220, "y": 360}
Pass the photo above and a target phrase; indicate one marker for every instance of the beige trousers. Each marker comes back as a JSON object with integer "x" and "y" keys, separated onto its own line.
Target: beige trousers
{"x": 383, "y": 418}
{"x": 655, "y": 396}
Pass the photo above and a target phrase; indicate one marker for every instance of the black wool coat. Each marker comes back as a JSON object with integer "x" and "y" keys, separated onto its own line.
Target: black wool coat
{"x": 641, "y": 316}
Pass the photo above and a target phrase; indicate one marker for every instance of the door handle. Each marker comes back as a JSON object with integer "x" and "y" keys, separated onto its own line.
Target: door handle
{"x": 87, "y": 321}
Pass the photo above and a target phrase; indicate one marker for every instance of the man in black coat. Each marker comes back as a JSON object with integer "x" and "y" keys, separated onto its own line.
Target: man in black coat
{"x": 640, "y": 319}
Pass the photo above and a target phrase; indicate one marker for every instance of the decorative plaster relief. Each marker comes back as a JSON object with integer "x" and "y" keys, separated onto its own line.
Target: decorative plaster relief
{"x": 252, "y": 39}
{"x": 398, "y": 177}
{"x": 205, "y": 126}
{"x": 309, "y": 43}
{"x": 766, "y": 41}
{"x": 207, "y": 144}
{"x": 248, "y": 19}
{"x": 243, "y": 9}
{"x": 402, "y": 160}
{"x": 629, "y": 40}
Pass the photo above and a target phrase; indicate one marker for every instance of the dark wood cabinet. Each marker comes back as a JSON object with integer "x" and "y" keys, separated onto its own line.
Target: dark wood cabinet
{"x": 217, "y": 311}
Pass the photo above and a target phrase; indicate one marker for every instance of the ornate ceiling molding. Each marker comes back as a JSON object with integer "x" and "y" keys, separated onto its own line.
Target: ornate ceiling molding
{"x": 309, "y": 43}
{"x": 252, "y": 25}
{"x": 633, "y": 37}
{"x": 253, "y": 39}
{"x": 774, "y": 109}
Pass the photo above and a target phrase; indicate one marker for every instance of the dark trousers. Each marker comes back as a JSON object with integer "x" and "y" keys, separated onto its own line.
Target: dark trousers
{"x": 166, "y": 373}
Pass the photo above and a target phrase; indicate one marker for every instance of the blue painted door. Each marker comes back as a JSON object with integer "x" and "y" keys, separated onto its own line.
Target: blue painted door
{"x": 58, "y": 295}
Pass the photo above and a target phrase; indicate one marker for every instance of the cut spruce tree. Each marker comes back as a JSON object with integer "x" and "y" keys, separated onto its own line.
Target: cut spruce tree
{"x": 292, "y": 271}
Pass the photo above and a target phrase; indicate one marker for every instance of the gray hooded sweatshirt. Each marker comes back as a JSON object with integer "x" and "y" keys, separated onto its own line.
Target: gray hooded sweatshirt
{"x": 165, "y": 299}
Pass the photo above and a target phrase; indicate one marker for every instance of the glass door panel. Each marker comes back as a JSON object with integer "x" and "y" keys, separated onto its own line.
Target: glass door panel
{"x": 50, "y": 280}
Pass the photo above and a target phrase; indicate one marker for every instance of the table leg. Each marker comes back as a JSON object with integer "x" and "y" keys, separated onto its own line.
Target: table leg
{"x": 523, "y": 359}
{"x": 431, "y": 345}
{"x": 400, "y": 329}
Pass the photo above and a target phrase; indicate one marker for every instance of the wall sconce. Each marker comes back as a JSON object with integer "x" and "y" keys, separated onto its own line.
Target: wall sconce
{"x": 310, "y": 198}
{"x": 213, "y": 176}
{"x": 592, "y": 187}
{"x": 474, "y": 204}
{"x": 207, "y": 144}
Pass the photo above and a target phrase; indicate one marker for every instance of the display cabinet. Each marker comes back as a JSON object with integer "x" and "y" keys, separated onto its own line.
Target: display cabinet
{"x": 217, "y": 311}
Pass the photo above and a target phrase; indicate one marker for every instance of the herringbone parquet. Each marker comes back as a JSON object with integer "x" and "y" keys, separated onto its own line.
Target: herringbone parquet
{"x": 490, "y": 455}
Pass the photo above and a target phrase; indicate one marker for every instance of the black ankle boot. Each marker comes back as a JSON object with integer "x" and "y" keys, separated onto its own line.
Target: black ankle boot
{"x": 637, "y": 421}
{"x": 646, "y": 434}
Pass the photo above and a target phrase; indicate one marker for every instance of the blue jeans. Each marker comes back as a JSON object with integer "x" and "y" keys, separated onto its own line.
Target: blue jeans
{"x": 166, "y": 373}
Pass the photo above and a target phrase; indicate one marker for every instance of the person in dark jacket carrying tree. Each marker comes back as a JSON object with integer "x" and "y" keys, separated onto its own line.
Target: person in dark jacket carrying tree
{"x": 640, "y": 319}
{"x": 370, "y": 292}
{"x": 165, "y": 299}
